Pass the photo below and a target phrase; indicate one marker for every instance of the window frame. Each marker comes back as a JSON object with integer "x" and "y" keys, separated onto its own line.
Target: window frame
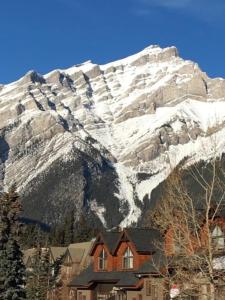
{"x": 216, "y": 238}
{"x": 152, "y": 289}
{"x": 128, "y": 259}
{"x": 102, "y": 260}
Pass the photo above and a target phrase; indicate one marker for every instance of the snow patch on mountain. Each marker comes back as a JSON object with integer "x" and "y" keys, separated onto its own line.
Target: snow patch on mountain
{"x": 126, "y": 193}
{"x": 134, "y": 119}
{"x": 99, "y": 211}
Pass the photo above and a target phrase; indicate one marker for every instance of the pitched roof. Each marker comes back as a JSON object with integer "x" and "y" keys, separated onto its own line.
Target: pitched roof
{"x": 57, "y": 252}
{"x": 79, "y": 251}
{"x": 88, "y": 277}
{"x": 76, "y": 254}
{"x": 130, "y": 279}
{"x": 109, "y": 238}
{"x": 154, "y": 265}
{"x": 29, "y": 253}
{"x": 144, "y": 239}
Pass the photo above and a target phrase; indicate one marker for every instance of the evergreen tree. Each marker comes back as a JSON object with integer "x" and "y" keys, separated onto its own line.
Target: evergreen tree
{"x": 56, "y": 236}
{"x": 12, "y": 270}
{"x": 14, "y": 282}
{"x": 31, "y": 233}
{"x": 69, "y": 229}
{"x": 72, "y": 232}
{"x": 43, "y": 277}
{"x": 55, "y": 274}
{"x": 83, "y": 231}
{"x": 55, "y": 282}
{"x": 39, "y": 276}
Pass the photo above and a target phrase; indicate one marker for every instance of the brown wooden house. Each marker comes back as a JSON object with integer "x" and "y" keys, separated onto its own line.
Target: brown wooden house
{"x": 211, "y": 237}
{"x": 120, "y": 269}
{"x": 130, "y": 265}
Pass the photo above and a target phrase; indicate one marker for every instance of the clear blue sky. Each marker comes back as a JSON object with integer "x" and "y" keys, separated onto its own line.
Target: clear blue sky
{"x": 48, "y": 34}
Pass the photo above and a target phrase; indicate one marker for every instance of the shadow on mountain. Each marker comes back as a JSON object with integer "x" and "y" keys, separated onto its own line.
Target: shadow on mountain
{"x": 85, "y": 184}
{"x": 4, "y": 150}
{"x": 193, "y": 178}
{"x": 42, "y": 225}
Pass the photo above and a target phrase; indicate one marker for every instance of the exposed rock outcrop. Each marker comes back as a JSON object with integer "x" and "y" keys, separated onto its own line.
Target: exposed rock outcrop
{"x": 80, "y": 138}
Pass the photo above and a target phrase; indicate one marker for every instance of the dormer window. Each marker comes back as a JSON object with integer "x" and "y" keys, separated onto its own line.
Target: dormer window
{"x": 128, "y": 259}
{"x": 102, "y": 260}
{"x": 217, "y": 238}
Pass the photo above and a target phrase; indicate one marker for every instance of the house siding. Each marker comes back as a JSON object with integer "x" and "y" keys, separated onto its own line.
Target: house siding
{"x": 110, "y": 258}
{"x": 143, "y": 294}
{"x": 115, "y": 262}
{"x": 84, "y": 295}
{"x": 139, "y": 259}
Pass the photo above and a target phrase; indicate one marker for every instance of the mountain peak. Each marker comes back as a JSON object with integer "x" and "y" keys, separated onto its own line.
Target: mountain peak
{"x": 32, "y": 76}
{"x": 116, "y": 129}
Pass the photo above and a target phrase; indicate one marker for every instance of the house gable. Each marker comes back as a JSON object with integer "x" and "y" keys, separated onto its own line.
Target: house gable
{"x": 107, "y": 238}
{"x": 138, "y": 259}
{"x": 67, "y": 260}
{"x": 56, "y": 253}
{"x": 109, "y": 258}
{"x": 98, "y": 241}
{"x": 115, "y": 245}
{"x": 120, "y": 252}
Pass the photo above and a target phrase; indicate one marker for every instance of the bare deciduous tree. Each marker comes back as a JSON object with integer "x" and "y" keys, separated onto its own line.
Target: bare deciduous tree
{"x": 189, "y": 216}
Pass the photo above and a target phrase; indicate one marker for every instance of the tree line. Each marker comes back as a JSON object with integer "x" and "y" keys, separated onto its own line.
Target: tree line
{"x": 68, "y": 232}
{"x": 42, "y": 277}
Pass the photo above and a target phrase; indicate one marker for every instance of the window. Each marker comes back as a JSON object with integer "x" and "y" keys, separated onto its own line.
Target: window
{"x": 152, "y": 290}
{"x": 102, "y": 260}
{"x": 217, "y": 238}
{"x": 128, "y": 259}
{"x": 80, "y": 296}
{"x": 121, "y": 297}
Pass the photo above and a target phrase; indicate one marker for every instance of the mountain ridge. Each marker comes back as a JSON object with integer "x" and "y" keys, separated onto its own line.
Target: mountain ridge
{"x": 126, "y": 124}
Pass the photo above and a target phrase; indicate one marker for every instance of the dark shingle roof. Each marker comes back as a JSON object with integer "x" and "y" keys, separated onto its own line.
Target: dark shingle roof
{"x": 145, "y": 240}
{"x": 111, "y": 238}
{"x": 87, "y": 277}
{"x": 127, "y": 279}
{"x": 154, "y": 265}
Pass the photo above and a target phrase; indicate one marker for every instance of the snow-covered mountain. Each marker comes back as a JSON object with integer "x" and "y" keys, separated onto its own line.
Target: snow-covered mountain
{"x": 100, "y": 138}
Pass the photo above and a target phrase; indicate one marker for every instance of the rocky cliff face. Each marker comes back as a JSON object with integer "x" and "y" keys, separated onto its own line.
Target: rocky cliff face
{"x": 102, "y": 137}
